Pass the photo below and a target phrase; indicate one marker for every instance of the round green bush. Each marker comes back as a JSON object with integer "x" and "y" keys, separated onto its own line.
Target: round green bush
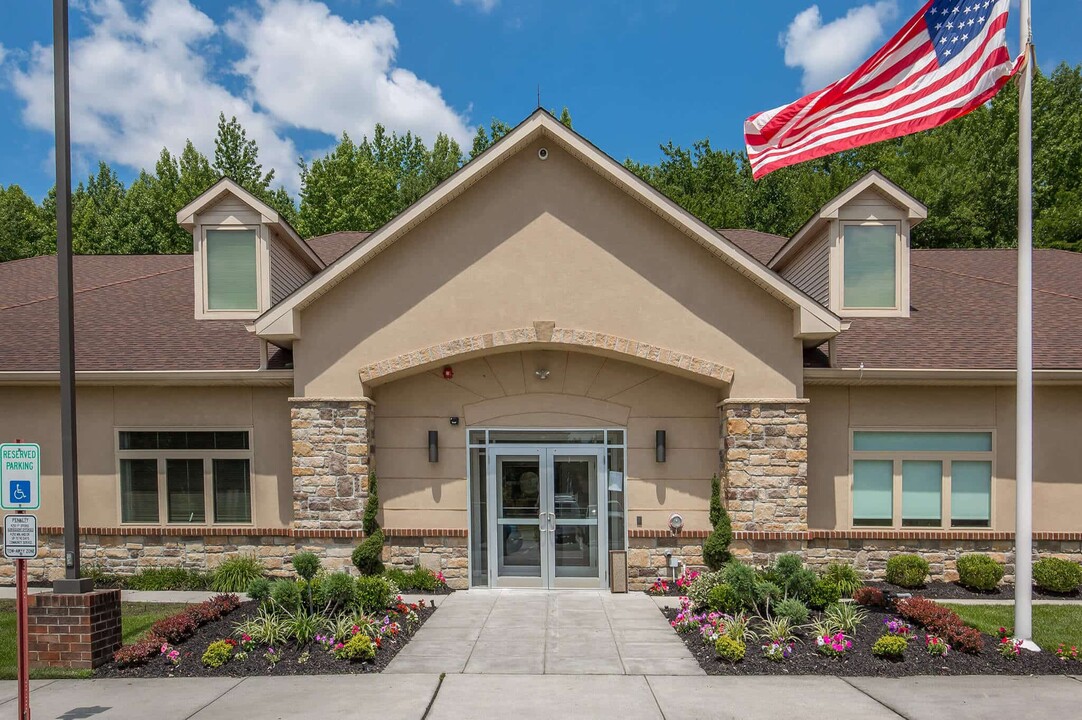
{"x": 908, "y": 571}
{"x": 792, "y": 609}
{"x": 306, "y": 564}
{"x": 791, "y": 576}
{"x": 744, "y": 581}
{"x": 699, "y": 590}
{"x": 287, "y": 594}
{"x": 375, "y": 593}
{"x": 730, "y": 649}
{"x": 259, "y": 589}
{"x": 337, "y": 592}
{"x": 890, "y": 646}
{"x": 217, "y": 654}
{"x": 358, "y": 647}
{"x": 979, "y": 572}
{"x": 368, "y": 556}
{"x": 722, "y": 598}
{"x": 1057, "y": 575}
{"x": 823, "y": 594}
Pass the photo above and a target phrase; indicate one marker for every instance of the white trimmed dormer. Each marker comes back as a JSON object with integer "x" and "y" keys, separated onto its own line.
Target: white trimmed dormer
{"x": 247, "y": 257}
{"x": 853, "y": 255}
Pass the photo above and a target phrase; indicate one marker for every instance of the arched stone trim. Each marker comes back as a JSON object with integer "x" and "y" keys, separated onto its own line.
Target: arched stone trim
{"x": 546, "y": 333}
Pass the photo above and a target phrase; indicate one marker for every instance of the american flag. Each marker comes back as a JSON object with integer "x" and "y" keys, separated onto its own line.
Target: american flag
{"x": 946, "y": 61}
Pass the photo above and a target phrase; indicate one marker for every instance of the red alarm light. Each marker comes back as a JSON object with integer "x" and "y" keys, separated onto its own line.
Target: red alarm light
{"x": 448, "y": 372}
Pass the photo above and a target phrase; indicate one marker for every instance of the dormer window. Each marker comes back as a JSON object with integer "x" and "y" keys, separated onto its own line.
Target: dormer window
{"x": 870, "y": 261}
{"x": 232, "y": 270}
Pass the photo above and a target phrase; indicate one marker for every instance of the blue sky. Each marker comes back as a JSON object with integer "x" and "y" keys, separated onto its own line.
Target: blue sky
{"x": 148, "y": 74}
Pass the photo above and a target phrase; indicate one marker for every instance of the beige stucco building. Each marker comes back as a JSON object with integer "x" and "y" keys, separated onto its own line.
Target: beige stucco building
{"x": 544, "y": 360}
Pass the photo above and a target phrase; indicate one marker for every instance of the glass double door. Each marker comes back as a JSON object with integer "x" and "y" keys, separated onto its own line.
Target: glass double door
{"x": 547, "y": 516}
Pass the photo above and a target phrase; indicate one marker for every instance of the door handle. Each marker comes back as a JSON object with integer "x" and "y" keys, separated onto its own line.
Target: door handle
{"x": 552, "y": 521}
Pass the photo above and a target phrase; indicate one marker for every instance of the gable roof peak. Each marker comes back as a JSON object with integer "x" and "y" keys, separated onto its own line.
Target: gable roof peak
{"x": 280, "y": 324}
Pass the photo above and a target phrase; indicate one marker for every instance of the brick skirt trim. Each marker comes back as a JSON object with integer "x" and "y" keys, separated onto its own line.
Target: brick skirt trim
{"x": 747, "y": 535}
{"x": 203, "y": 531}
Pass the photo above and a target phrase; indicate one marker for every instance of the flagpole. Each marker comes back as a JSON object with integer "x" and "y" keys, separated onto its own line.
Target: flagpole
{"x": 1023, "y": 537}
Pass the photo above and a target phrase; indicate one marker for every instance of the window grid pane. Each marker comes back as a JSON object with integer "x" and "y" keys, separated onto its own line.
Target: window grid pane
{"x": 231, "y": 270}
{"x": 873, "y": 492}
{"x": 971, "y": 493}
{"x": 903, "y": 441}
{"x": 184, "y": 491}
{"x": 922, "y": 492}
{"x": 184, "y": 440}
{"x": 232, "y": 491}
{"x": 870, "y": 273}
{"x": 139, "y": 490}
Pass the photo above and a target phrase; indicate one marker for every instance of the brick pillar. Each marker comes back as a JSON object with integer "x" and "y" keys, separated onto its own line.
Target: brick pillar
{"x": 74, "y": 631}
{"x": 765, "y": 462}
{"x": 330, "y": 462}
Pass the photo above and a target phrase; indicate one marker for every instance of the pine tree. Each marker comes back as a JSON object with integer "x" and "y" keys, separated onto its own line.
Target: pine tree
{"x": 716, "y": 547}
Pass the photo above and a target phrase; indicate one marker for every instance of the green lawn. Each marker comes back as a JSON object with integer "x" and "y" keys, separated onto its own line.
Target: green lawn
{"x": 1052, "y": 624}
{"x": 137, "y": 618}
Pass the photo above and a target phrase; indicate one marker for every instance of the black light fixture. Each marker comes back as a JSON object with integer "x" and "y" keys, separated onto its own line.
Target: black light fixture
{"x": 659, "y": 446}
{"x": 433, "y": 446}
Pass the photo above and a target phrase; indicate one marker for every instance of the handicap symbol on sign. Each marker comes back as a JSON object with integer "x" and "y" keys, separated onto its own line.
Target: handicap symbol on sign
{"x": 19, "y": 491}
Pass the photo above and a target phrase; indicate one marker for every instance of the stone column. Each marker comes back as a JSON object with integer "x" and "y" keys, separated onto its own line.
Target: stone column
{"x": 330, "y": 462}
{"x": 765, "y": 463}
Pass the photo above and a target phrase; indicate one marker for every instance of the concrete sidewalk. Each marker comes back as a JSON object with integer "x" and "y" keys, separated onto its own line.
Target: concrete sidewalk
{"x": 573, "y": 632}
{"x": 526, "y": 697}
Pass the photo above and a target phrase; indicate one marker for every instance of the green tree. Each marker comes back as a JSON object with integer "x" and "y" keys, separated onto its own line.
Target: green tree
{"x": 361, "y": 186}
{"x": 24, "y": 231}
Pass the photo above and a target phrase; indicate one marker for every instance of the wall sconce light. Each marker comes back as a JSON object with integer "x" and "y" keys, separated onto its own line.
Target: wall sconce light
{"x": 541, "y": 374}
{"x": 448, "y": 372}
{"x": 433, "y": 446}
{"x": 659, "y": 446}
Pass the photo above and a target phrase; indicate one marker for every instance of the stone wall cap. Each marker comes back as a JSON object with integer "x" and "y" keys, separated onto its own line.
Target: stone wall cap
{"x": 764, "y": 401}
{"x": 370, "y": 401}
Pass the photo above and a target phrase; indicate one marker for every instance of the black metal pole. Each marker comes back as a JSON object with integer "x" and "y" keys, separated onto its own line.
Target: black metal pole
{"x": 65, "y": 296}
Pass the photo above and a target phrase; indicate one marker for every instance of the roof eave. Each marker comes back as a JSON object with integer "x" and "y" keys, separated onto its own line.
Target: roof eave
{"x": 278, "y": 378}
{"x": 934, "y": 376}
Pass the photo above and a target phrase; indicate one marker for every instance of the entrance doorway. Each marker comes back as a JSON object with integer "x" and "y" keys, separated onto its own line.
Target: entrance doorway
{"x": 548, "y": 514}
{"x": 546, "y": 505}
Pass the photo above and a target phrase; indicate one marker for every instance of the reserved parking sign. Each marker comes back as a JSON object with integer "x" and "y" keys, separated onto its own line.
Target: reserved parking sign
{"x": 20, "y": 476}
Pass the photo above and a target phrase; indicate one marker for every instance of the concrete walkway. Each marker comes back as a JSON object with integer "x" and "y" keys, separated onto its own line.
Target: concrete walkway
{"x": 542, "y": 697}
{"x": 575, "y": 632}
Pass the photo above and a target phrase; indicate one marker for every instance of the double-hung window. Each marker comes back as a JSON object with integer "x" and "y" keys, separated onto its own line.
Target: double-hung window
{"x": 870, "y": 265}
{"x": 922, "y": 479}
{"x": 185, "y": 477}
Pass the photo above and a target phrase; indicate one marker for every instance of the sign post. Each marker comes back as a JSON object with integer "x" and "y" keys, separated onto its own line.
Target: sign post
{"x": 20, "y": 490}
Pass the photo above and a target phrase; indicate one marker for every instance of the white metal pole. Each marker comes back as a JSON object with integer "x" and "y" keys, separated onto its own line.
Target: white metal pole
{"x": 1023, "y": 542}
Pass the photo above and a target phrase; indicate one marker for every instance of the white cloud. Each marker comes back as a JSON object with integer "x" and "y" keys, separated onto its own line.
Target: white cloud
{"x": 482, "y": 5}
{"x": 312, "y": 69}
{"x": 827, "y": 52}
{"x": 146, "y": 79}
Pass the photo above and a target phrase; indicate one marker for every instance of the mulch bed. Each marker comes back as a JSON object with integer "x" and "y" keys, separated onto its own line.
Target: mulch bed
{"x": 940, "y": 590}
{"x": 859, "y": 660}
{"x": 320, "y": 661}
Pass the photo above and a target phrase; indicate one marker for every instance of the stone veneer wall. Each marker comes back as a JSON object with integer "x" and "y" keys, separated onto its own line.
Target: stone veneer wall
{"x": 765, "y": 463}
{"x": 647, "y": 554}
{"x": 126, "y": 554}
{"x": 330, "y": 462}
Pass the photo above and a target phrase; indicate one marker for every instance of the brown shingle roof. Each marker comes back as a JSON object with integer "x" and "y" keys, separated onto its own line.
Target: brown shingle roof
{"x": 760, "y": 245}
{"x": 132, "y": 312}
{"x": 136, "y": 312}
{"x": 963, "y": 314}
{"x": 334, "y": 245}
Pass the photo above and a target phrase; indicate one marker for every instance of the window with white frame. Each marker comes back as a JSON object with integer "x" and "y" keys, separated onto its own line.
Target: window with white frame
{"x": 922, "y": 479}
{"x": 185, "y": 476}
{"x": 870, "y": 259}
{"x": 232, "y": 269}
